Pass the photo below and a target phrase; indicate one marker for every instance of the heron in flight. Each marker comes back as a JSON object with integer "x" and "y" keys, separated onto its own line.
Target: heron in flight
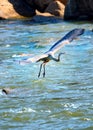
{"x": 49, "y": 55}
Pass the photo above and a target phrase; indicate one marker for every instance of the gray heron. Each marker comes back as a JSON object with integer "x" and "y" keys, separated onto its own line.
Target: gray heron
{"x": 49, "y": 55}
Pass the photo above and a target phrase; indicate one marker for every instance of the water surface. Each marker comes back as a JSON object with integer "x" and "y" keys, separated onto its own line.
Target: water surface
{"x": 63, "y": 100}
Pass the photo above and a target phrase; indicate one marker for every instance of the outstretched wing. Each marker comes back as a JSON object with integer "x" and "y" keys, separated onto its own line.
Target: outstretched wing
{"x": 69, "y": 37}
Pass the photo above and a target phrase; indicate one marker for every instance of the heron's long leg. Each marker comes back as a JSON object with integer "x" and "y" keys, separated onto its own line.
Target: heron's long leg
{"x": 44, "y": 70}
{"x": 43, "y": 64}
{"x": 40, "y": 70}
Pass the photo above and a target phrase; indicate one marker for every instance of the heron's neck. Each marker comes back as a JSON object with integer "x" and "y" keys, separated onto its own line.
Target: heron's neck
{"x": 57, "y": 59}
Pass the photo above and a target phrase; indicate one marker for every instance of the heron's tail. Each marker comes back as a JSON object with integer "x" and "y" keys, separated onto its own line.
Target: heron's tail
{"x": 73, "y": 34}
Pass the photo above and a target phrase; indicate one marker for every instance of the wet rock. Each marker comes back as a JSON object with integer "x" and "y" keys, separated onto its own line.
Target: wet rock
{"x": 79, "y": 9}
{"x": 15, "y": 9}
{"x": 6, "y": 90}
{"x": 46, "y": 19}
{"x": 15, "y": 92}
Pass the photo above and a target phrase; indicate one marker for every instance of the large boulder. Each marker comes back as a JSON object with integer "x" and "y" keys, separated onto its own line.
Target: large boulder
{"x": 54, "y": 7}
{"x": 63, "y": 1}
{"x": 15, "y": 9}
{"x": 79, "y": 9}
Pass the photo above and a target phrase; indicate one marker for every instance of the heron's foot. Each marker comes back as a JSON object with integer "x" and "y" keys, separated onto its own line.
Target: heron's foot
{"x": 38, "y": 75}
{"x": 44, "y": 75}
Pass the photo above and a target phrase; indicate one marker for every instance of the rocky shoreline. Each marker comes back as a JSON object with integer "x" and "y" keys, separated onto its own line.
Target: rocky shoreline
{"x": 64, "y": 9}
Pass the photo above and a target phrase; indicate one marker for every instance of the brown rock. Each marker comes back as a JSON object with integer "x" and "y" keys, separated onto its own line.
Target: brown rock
{"x": 56, "y": 8}
{"x": 15, "y": 9}
{"x": 63, "y": 1}
{"x": 6, "y": 90}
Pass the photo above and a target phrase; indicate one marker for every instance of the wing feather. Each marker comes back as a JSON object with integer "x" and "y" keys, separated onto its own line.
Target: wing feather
{"x": 33, "y": 59}
{"x": 69, "y": 37}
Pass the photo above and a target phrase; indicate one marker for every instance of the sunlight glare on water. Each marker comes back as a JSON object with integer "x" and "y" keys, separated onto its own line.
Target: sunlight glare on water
{"x": 60, "y": 101}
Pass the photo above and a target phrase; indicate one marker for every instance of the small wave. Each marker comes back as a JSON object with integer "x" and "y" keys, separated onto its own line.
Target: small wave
{"x": 71, "y": 105}
{"x": 22, "y": 55}
{"x": 8, "y": 45}
{"x": 22, "y": 110}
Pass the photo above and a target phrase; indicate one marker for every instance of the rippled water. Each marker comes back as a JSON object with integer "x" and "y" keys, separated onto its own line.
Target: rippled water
{"x": 63, "y": 100}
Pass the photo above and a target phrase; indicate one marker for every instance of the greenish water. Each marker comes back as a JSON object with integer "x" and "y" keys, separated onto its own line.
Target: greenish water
{"x": 63, "y": 100}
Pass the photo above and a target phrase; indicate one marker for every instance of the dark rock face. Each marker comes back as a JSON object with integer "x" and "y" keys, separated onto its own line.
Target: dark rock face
{"x": 40, "y": 5}
{"x": 79, "y": 9}
{"x": 22, "y": 8}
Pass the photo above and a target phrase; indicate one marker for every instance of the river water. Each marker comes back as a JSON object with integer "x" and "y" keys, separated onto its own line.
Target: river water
{"x": 63, "y": 100}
